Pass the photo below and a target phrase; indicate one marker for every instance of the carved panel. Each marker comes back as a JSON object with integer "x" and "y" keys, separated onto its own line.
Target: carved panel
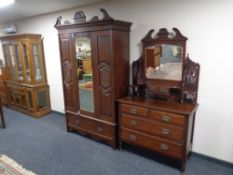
{"x": 105, "y": 79}
{"x": 103, "y": 41}
{"x": 190, "y": 81}
{"x": 68, "y": 69}
{"x": 66, "y": 66}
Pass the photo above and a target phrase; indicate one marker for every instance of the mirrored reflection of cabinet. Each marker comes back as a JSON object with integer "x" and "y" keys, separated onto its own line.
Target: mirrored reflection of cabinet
{"x": 95, "y": 68}
{"x": 26, "y": 81}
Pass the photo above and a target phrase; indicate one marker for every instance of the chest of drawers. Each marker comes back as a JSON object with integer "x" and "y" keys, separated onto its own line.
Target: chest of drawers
{"x": 166, "y": 128}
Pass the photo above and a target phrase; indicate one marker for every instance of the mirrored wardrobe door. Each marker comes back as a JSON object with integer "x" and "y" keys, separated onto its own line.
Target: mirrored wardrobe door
{"x": 85, "y": 74}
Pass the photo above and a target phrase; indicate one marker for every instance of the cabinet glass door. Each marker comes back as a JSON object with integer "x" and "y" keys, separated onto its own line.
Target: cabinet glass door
{"x": 84, "y": 74}
{"x": 37, "y": 63}
{"x": 42, "y": 97}
{"x": 26, "y": 63}
{"x": 7, "y": 60}
{"x": 13, "y": 62}
{"x": 18, "y": 62}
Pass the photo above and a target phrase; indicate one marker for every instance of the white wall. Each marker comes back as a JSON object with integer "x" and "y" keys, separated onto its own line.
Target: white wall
{"x": 208, "y": 25}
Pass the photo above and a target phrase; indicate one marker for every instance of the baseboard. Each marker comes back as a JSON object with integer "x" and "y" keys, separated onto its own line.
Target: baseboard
{"x": 59, "y": 113}
{"x": 214, "y": 160}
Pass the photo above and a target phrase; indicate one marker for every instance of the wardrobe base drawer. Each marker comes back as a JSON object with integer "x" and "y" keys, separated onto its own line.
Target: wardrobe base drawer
{"x": 160, "y": 145}
{"x": 91, "y": 127}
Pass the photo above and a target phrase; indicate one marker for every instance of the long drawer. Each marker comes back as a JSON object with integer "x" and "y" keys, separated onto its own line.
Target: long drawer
{"x": 91, "y": 126}
{"x": 167, "y": 117}
{"x": 154, "y": 143}
{"x": 155, "y": 128}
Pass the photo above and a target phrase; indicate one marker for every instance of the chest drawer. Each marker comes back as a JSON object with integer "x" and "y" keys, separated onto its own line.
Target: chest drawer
{"x": 153, "y": 143}
{"x": 90, "y": 126}
{"x": 167, "y": 117}
{"x": 134, "y": 110}
{"x": 156, "y": 128}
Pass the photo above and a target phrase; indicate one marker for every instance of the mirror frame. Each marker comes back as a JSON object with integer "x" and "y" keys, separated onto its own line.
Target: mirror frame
{"x": 164, "y": 37}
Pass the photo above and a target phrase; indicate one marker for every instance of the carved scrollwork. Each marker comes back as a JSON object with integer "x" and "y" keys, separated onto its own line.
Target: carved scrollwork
{"x": 106, "y": 15}
{"x": 94, "y": 18}
{"x": 79, "y": 17}
{"x": 149, "y": 35}
{"x": 58, "y": 22}
{"x": 190, "y": 81}
{"x": 67, "y": 74}
{"x": 163, "y": 34}
{"x": 178, "y": 35}
{"x": 105, "y": 78}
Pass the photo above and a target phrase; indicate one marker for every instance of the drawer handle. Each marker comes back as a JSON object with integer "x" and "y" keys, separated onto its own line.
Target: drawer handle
{"x": 100, "y": 129}
{"x": 164, "y": 147}
{"x": 133, "y": 137}
{"x": 166, "y": 118}
{"x": 165, "y": 131}
{"x": 133, "y": 122}
{"x": 133, "y": 110}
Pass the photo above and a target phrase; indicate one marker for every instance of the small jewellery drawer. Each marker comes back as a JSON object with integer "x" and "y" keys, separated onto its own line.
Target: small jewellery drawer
{"x": 91, "y": 126}
{"x": 153, "y": 143}
{"x": 156, "y": 128}
{"x": 134, "y": 110}
{"x": 166, "y": 117}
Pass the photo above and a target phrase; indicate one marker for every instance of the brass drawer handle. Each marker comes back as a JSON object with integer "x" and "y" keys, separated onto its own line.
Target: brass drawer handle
{"x": 165, "y": 131}
{"x": 166, "y": 118}
{"x": 133, "y": 137}
{"x": 133, "y": 110}
{"x": 164, "y": 147}
{"x": 100, "y": 129}
{"x": 133, "y": 122}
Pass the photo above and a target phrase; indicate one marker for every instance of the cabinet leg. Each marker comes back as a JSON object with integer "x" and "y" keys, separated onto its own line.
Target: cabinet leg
{"x": 2, "y": 118}
{"x": 68, "y": 129}
{"x": 120, "y": 145}
{"x": 114, "y": 145}
{"x": 182, "y": 168}
{"x": 190, "y": 155}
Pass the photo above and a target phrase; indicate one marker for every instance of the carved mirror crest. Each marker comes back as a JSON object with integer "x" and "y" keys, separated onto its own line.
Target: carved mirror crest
{"x": 162, "y": 70}
{"x": 164, "y": 55}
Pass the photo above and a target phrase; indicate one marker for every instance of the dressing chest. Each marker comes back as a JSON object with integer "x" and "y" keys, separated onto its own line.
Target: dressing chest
{"x": 159, "y": 112}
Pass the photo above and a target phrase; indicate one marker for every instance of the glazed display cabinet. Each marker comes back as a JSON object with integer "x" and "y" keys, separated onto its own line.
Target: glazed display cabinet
{"x": 26, "y": 80}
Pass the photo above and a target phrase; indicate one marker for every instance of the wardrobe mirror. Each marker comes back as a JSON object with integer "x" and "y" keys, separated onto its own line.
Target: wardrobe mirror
{"x": 164, "y": 61}
{"x": 84, "y": 73}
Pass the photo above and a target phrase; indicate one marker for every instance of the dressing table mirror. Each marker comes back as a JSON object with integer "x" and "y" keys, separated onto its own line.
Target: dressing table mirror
{"x": 164, "y": 72}
{"x": 160, "y": 113}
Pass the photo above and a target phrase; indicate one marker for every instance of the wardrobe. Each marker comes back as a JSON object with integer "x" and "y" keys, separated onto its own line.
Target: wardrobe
{"x": 95, "y": 71}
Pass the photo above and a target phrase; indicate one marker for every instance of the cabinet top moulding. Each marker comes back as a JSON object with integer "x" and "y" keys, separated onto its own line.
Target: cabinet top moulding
{"x": 20, "y": 36}
{"x": 80, "y": 22}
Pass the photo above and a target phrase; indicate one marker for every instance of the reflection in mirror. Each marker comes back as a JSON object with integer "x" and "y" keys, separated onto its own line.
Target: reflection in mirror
{"x": 164, "y": 62}
{"x": 84, "y": 74}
